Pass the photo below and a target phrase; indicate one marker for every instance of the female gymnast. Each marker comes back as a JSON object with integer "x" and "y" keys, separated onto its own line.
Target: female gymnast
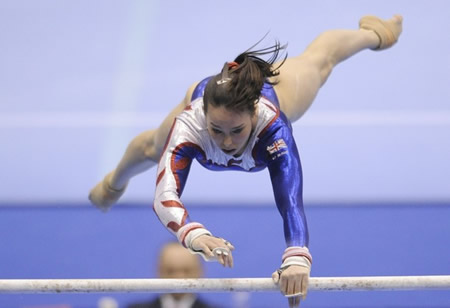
{"x": 241, "y": 119}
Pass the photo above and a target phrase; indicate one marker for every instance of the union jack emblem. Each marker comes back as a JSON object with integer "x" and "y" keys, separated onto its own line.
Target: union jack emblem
{"x": 276, "y": 146}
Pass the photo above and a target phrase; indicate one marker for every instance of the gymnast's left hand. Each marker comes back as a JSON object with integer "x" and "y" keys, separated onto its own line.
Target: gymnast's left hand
{"x": 293, "y": 283}
{"x": 215, "y": 248}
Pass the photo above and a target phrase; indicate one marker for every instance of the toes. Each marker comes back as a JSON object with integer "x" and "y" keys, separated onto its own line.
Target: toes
{"x": 398, "y": 18}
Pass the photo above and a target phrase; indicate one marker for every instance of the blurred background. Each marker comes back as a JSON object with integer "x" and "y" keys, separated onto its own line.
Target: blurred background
{"x": 79, "y": 79}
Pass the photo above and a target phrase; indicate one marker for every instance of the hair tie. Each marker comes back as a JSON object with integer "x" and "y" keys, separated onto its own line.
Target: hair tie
{"x": 233, "y": 65}
{"x": 224, "y": 76}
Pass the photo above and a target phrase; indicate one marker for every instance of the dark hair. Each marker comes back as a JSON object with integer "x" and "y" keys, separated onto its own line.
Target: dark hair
{"x": 239, "y": 84}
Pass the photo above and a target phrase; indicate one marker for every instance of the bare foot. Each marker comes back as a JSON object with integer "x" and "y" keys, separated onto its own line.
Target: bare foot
{"x": 103, "y": 196}
{"x": 387, "y": 30}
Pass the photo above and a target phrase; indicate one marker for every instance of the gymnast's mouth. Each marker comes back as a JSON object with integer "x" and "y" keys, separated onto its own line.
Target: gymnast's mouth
{"x": 228, "y": 151}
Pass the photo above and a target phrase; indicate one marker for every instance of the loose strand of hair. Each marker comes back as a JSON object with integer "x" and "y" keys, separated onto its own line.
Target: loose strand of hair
{"x": 254, "y": 56}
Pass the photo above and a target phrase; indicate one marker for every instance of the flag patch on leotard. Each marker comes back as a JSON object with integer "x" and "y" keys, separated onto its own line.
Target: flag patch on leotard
{"x": 276, "y": 146}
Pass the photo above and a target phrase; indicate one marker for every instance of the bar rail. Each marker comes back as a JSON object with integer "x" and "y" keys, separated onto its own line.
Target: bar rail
{"x": 207, "y": 285}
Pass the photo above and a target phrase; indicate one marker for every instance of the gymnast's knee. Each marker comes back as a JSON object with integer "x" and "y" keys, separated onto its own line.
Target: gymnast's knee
{"x": 144, "y": 146}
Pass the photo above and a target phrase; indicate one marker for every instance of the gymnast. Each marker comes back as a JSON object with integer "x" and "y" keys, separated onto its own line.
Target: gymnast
{"x": 240, "y": 119}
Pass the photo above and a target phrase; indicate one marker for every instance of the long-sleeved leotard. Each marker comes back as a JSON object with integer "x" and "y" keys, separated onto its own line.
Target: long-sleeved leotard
{"x": 271, "y": 145}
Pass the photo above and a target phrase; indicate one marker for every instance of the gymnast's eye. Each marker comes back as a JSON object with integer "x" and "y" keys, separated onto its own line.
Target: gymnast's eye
{"x": 216, "y": 131}
{"x": 237, "y": 131}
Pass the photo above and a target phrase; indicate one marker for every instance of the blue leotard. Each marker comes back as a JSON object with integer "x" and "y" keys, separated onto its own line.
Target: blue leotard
{"x": 271, "y": 145}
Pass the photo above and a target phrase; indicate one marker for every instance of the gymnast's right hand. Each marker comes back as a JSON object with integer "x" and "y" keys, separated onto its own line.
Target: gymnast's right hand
{"x": 214, "y": 248}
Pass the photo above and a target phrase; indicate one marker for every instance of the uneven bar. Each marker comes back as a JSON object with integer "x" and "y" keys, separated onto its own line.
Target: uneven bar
{"x": 387, "y": 283}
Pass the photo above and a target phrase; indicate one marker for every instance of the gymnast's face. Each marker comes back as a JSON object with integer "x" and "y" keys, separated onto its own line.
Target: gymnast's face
{"x": 229, "y": 129}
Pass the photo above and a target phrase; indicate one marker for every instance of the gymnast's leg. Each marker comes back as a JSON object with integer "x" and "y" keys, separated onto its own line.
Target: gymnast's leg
{"x": 142, "y": 153}
{"x": 301, "y": 77}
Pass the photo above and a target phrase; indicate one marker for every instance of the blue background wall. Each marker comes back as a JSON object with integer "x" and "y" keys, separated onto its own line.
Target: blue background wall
{"x": 79, "y": 79}
{"x": 370, "y": 240}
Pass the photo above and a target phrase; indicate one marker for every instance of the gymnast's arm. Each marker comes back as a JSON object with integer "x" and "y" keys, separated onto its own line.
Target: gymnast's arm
{"x": 173, "y": 169}
{"x": 286, "y": 176}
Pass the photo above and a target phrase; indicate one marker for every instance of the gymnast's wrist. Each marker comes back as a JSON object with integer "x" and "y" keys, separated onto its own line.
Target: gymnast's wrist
{"x": 296, "y": 255}
{"x": 190, "y": 232}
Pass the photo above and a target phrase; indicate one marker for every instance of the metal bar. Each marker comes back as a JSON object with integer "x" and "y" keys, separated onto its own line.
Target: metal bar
{"x": 389, "y": 283}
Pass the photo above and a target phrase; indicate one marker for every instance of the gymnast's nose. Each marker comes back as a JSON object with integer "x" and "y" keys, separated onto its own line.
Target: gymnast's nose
{"x": 227, "y": 142}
